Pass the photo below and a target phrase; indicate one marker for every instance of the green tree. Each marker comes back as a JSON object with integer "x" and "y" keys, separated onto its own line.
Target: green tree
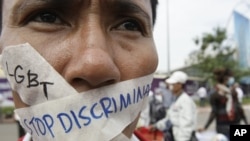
{"x": 214, "y": 53}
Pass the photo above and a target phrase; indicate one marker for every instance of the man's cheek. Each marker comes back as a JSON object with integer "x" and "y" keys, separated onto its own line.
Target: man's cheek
{"x": 151, "y": 65}
{"x": 17, "y": 100}
{"x": 12, "y": 36}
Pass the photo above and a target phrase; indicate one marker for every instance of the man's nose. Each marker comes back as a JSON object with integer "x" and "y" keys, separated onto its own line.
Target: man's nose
{"x": 92, "y": 62}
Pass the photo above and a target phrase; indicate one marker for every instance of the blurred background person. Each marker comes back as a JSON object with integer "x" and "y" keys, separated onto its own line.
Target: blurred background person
{"x": 238, "y": 109}
{"x": 239, "y": 91}
{"x": 202, "y": 93}
{"x": 180, "y": 121}
{"x": 167, "y": 96}
{"x": 221, "y": 102}
{"x": 157, "y": 111}
{"x": 144, "y": 120}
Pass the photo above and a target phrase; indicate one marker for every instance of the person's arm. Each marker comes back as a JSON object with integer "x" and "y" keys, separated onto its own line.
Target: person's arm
{"x": 161, "y": 124}
{"x": 210, "y": 120}
{"x": 242, "y": 114}
{"x": 212, "y": 113}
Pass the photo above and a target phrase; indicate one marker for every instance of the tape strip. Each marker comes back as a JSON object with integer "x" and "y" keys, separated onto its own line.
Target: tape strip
{"x": 32, "y": 76}
{"x": 105, "y": 112}
{"x": 58, "y": 112}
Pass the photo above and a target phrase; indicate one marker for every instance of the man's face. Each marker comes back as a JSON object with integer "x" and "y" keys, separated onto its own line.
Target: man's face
{"x": 91, "y": 43}
{"x": 175, "y": 88}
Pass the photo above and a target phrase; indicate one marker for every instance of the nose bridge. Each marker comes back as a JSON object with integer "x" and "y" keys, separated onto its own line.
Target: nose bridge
{"x": 92, "y": 33}
{"x": 93, "y": 58}
{"x": 92, "y": 63}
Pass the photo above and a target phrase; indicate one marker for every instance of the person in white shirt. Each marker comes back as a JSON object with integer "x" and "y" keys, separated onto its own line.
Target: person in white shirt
{"x": 181, "y": 116}
{"x": 202, "y": 93}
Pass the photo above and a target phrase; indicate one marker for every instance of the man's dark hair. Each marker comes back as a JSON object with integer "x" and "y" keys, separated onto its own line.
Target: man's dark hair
{"x": 222, "y": 74}
{"x": 153, "y": 5}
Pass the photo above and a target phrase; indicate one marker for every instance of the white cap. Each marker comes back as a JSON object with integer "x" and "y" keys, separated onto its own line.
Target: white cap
{"x": 177, "y": 77}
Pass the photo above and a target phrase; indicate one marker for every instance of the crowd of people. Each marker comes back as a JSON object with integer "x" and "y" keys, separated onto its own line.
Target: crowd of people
{"x": 179, "y": 121}
{"x": 173, "y": 112}
{"x": 225, "y": 103}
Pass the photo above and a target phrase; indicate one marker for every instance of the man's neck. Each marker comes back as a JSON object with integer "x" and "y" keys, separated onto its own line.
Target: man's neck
{"x": 178, "y": 93}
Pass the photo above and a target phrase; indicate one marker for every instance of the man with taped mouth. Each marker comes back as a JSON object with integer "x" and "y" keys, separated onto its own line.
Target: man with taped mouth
{"x": 79, "y": 69}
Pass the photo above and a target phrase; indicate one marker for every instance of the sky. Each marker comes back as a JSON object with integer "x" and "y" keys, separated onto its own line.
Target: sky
{"x": 188, "y": 19}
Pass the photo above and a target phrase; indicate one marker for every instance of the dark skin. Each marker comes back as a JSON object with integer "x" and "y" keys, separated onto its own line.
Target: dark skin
{"x": 154, "y": 4}
{"x": 66, "y": 32}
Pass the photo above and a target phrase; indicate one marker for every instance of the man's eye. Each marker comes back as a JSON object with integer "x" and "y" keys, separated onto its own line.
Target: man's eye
{"x": 130, "y": 25}
{"x": 47, "y": 17}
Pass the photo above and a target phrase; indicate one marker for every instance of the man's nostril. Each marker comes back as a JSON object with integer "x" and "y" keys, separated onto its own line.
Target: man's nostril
{"x": 82, "y": 85}
{"x": 109, "y": 82}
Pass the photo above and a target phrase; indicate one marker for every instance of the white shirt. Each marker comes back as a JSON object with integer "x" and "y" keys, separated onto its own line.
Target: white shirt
{"x": 202, "y": 92}
{"x": 239, "y": 93}
{"x": 182, "y": 115}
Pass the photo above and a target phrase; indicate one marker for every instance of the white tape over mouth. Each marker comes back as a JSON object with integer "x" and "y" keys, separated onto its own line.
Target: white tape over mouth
{"x": 58, "y": 111}
{"x": 32, "y": 76}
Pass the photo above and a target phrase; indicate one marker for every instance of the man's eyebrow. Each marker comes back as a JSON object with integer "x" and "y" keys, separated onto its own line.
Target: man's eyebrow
{"x": 22, "y": 7}
{"x": 128, "y": 7}
{"x": 23, "y": 4}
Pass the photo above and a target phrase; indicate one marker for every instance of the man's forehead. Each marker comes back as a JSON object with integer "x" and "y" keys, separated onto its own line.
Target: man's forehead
{"x": 143, "y": 4}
